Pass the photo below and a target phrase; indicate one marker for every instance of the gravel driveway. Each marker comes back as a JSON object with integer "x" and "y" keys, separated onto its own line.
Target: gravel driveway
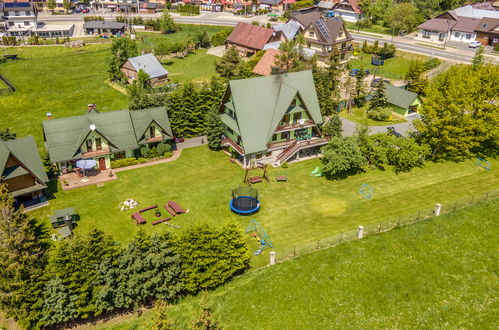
{"x": 349, "y": 126}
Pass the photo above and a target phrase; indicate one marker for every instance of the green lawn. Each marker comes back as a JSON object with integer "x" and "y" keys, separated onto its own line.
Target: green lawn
{"x": 394, "y": 68}
{"x": 359, "y": 115}
{"x": 294, "y": 213}
{"x": 352, "y": 27}
{"x": 195, "y": 67}
{"x": 441, "y": 273}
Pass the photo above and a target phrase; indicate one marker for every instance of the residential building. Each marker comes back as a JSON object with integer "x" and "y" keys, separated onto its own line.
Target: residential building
{"x": 22, "y": 171}
{"x": 460, "y": 25}
{"x": 104, "y": 136}
{"x": 272, "y": 119}
{"x": 306, "y": 16}
{"x": 20, "y": 18}
{"x": 249, "y": 38}
{"x": 287, "y": 30}
{"x": 276, "y": 6}
{"x": 148, "y": 7}
{"x": 326, "y": 36}
{"x": 103, "y": 27}
{"x": 402, "y": 101}
{"x": 54, "y": 30}
{"x": 266, "y": 65}
{"x": 487, "y": 31}
{"x": 348, "y": 10}
{"x": 147, "y": 63}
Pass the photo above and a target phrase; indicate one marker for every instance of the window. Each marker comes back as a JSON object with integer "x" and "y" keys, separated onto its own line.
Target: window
{"x": 89, "y": 145}
{"x": 120, "y": 155}
{"x": 297, "y": 116}
{"x": 426, "y": 34}
{"x": 468, "y": 36}
{"x": 343, "y": 45}
{"x": 268, "y": 154}
{"x": 456, "y": 34}
{"x": 258, "y": 156}
{"x": 311, "y": 34}
{"x": 285, "y": 135}
{"x": 16, "y": 13}
{"x": 285, "y": 120}
{"x": 274, "y": 137}
{"x": 6, "y": 13}
{"x": 152, "y": 131}
{"x": 230, "y": 131}
{"x": 11, "y": 23}
{"x": 28, "y": 13}
{"x": 26, "y": 23}
{"x": 98, "y": 143}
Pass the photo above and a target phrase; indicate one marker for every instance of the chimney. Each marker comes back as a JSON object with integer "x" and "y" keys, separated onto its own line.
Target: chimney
{"x": 49, "y": 115}
{"x": 91, "y": 107}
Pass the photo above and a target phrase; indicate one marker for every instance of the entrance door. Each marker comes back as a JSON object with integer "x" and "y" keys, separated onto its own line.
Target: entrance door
{"x": 102, "y": 164}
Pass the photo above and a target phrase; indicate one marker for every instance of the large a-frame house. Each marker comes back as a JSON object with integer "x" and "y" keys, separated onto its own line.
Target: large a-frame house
{"x": 272, "y": 119}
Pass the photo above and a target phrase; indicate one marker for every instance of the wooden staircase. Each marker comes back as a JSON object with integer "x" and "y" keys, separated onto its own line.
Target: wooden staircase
{"x": 297, "y": 145}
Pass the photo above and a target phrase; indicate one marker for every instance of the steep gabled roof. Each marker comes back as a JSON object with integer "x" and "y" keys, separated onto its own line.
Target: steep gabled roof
{"x": 123, "y": 129}
{"x": 328, "y": 30}
{"x": 289, "y": 29}
{"x": 466, "y": 24}
{"x": 400, "y": 96}
{"x": 250, "y": 36}
{"x": 438, "y": 24}
{"x": 260, "y": 104}
{"x": 149, "y": 64}
{"x": 264, "y": 66}
{"x": 487, "y": 24}
{"x": 305, "y": 18}
{"x": 24, "y": 150}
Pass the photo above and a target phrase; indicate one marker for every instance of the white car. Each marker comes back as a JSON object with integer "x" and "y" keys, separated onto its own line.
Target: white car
{"x": 475, "y": 44}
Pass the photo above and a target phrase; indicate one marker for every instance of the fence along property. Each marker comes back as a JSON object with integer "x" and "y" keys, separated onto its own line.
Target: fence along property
{"x": 361, "y": 231}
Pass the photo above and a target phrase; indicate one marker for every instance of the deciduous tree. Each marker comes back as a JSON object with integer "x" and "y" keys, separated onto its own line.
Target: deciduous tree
{"x": 416, "y": 81}
{"x": 342, "y": 157}
{"x": 121, "y": 50}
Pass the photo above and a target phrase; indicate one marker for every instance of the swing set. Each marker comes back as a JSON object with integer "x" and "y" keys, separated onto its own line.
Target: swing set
{"x": 260, "y": 234}
{"x": 256, "y": 179}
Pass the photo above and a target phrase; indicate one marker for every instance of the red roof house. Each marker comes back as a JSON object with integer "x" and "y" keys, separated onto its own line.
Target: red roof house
{"x": 266, "y": 63}
{"x": 249, "y": 38}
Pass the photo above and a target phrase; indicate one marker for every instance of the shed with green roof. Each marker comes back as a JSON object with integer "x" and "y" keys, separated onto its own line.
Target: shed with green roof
{"x": 402, "y": 101}
{"x": 104, "y": 136}
{"x": 272, "y": 119}
{"x": 22, "y": 170}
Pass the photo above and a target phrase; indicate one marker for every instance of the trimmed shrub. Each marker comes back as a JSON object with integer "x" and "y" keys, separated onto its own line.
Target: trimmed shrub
{"x": 380, "y": 114}
{"x": 431, "y": 64}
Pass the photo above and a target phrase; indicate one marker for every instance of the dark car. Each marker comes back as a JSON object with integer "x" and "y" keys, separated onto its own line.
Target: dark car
{"x": 354, "y": 72}
{"x": 391, "y": 130}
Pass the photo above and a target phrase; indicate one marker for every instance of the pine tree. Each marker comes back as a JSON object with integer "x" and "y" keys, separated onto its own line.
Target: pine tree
{"x": 22, "y": 262}
{"x": 214, "y": 129}
{"x": 204, "y": 40}
{"x": 334, "y": 127}
{"x": 414, "y": 78}
{"x": 479, "y": 58}
{"x": 7, "y": 134}
{"x": 205, "y": 319}
{"x": 58, "y": 305}
{"x": 162, "y": 317}
{"x": 379, "y": 99}
{"x": 360, "y": 88}
{"x": 229, "y": 65}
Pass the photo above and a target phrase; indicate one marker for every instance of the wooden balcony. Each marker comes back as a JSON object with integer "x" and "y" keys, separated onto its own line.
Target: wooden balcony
{"x": 229, "y": 142}
{"x": 154, "y": 139}
{"x": 96, "y": 153}
{"x": 289, "y": 127}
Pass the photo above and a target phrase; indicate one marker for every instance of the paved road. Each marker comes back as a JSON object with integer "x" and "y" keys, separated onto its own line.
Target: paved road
{"x": 349, "y": 127}
{"x": 194, "y": 142}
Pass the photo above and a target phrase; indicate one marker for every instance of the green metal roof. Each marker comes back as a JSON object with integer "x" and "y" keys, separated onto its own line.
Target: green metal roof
{"x": 25, "y": 151}
{"x": 260, "y": 104}
{"x": 28, "y": 190}
{"x": 123, "y": 129}
{"x": 399, "y": 96}
{"x": 230, "y": 122}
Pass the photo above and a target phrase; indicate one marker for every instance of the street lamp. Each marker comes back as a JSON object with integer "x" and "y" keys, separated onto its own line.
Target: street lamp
{"x": 447, "y": 33}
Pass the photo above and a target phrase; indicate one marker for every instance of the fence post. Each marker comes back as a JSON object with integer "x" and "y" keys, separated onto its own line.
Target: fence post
{"x": 318, "y": 244}
{"x": 272, "y": 258}
{"x": 438, "y": 208}
{"x": 341, "y": 237}
{"x": 472, "y": 199}
{"x": 455, "y": 205}
{"x": 294, "y": 252}
{"x": 379, "y": 228}
{"x": 486, "y": 196}
{"x": 360, "y": 232}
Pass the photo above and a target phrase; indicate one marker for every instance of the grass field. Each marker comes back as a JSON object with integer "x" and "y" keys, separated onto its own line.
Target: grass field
{"x": 441, "y": 273}
{"x": 394, "y": 68}
{"x": 64, "y": 80}
{"x": 294, "y": 213}
{"x": 359, "y": 115}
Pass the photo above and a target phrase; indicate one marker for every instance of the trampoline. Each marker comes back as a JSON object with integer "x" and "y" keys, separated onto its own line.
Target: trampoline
{"x": 244, "y": 200}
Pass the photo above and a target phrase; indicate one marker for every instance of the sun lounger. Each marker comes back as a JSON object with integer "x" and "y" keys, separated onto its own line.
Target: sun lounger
{"x": 170, "y": 210}
{"x": 139, "y": 219}
{"x": 255, "y": 179}
{"x": 282, "y": 178}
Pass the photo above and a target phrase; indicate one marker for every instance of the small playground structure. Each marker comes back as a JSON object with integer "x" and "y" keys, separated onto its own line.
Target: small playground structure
{"x": 317, "y": 172}
{"x": 244, "y": 200}
{"x": 260, "y": 234}
{"x": 255, "y": 179}
{"x": 366, "y": 191}
{"x": 376, "y": 60}
{"x": 9, "y": 87}
{"x": 483, "y": 163}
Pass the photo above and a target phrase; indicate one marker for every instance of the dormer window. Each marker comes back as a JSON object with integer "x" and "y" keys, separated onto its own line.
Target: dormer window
{"x": 89, "y": 145}
{"x": 311, "y": 34}
{"x": 98, "y": 143}
{"x": 152, "y": 131}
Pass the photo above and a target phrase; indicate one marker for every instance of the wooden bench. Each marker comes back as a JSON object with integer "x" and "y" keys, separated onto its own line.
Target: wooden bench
{"x": 170, "y": 210}
{"x": 282, "y": 178}
{"x": 254, "y": 179}
{"x": 148, "y": 208}
{"x": 154, "y": 223}
{"x": 139, "y": 219}
{"x": 175, "y": 207}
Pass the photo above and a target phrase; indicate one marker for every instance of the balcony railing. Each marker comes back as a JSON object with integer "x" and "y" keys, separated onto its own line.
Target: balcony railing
{"x": 229, "y": 142}
{"x": 292, "y": 126}
{"x": 95, "y": 153}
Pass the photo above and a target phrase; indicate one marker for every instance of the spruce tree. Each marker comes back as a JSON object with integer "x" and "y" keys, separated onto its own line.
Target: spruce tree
{"x": 214, "y": 129}
{"x": 379, "y": 99}
{"x": 230, "y": 64}
{"x": 334, "y": 127}
{"x": 414, "y": 78}
{"x": 58, "y": 305}
{"x": 204, "y": 40}
{"x": 360, "y": 88}
{"x": 7, "y": 134}
{"x": 22, "y": 262}
{"x": 205, "y": 320}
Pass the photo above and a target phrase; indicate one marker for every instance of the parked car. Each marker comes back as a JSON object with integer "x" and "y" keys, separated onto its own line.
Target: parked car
{"x": 85, "y": 10}
{"x": 475, "y": 44}
{"x": 178, "y": 139}
{"x": 354, "y": 72}
{"x": 391, "y": 130}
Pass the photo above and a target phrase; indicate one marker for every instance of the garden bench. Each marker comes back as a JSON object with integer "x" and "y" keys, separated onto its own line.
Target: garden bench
{"x": 175, "y": 207}
{"x": 254, "y": 179}
{"x": 170, "y": 210}
{"x": 154, "y": 223}
{"x": 149, "y": 208}
{"x": 139, "y": 219}
{"x": 282, "y": 178}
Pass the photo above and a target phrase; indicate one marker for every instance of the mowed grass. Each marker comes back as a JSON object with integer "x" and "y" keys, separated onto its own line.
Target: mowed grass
{"x": 195, "y": 67}
{"x": 394, "y": 68}
{"x": 440, "y": 273}
{"x": 359, "y": 115}
{"x": 300, "y": 211}
{"x": 58, "y": 80}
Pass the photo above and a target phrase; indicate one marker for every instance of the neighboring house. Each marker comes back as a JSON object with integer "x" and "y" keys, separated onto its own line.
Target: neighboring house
{"x": 104, "y": 136}
{"x": 101, "y": 27}
{"x": 287, "y": 30}
{"x": 348, "y": 10}
{"x": 305, "y": 17}
{"x": 402, "y": 101}
{"x": 59, "y": 7}
{"x": 148, "y": 7}
{"x": 272, "y": 119}
{"x": 276, "y": 6}
{"x": 236, "y": 5}
{"x": 249, "y": 38}
{"x": 461, "y": 25}
{"x": 487, "y": 31}
{"x": 20, "y": 18}
{"x": 55, "y": 30}
{"x": 147, "y": 63}
{"x": 327, "y": 35}
{"x": 22, "y": 170}
{"x": 266, "y": 65}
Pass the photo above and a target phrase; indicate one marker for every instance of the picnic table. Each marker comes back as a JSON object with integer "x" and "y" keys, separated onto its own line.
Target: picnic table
{"x": 255, "y": 179}
{"x": 63, "y": 216}
{"x": 175, "y": 207}
{"x": 282, "y": 178}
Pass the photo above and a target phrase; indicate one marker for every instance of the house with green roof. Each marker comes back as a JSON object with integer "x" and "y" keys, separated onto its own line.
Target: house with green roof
{"x": 104, "y": 136}
{"x": 272, "y": 119}
{"x": 402, "y": 101}
{"x": 22, "y": 170}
